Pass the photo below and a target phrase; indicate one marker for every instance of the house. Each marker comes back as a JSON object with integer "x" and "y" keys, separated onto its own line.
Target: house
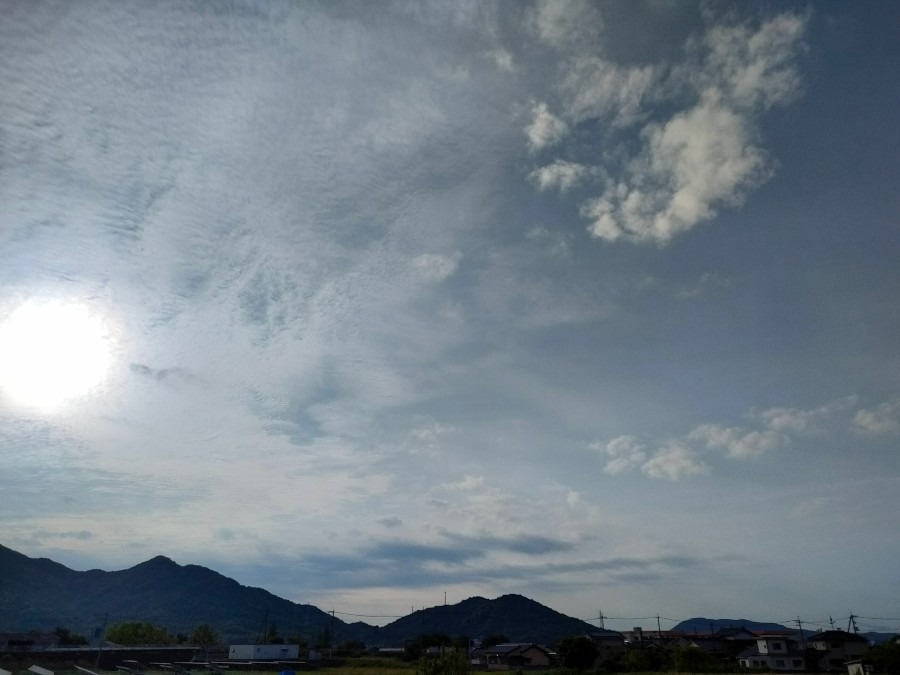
{"x": 833, "y": 648}
{"x": 778, "y": 650}
{"x": 730, "y": 642}
{"x": 710, "y": 645}
{"x": 513, "y": 656}
{"x": 638, "y": 638}
{"x": 609, "y": 643}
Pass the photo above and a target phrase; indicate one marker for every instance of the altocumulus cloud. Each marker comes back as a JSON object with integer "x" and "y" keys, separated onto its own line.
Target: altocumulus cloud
{"x": 695, "y": 452}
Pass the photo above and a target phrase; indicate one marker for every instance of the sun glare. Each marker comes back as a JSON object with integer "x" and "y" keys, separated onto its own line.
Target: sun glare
{"x": 51, "y": 352}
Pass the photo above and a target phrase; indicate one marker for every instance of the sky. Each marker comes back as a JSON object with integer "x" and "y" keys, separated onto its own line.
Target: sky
{"x": 366, "y": 302}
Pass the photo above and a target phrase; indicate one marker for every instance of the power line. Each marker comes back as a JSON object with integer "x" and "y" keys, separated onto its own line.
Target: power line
{"x": 372, "y": 616}
{"x": 876, "y": 618}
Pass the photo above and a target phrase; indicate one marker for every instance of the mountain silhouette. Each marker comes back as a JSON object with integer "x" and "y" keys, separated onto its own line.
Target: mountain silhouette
{"x": 40, "y": 594}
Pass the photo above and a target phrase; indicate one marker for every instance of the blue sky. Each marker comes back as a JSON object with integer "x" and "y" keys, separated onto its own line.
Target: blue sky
{"x": 365, "y": 302}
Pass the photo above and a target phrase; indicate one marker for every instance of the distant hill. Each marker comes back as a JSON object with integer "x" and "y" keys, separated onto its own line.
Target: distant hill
{"x": 877, "y": 638}
{"x": 704, "y": 626}
{"x": 40, "y": 594}
{"x": 515, "y": 616}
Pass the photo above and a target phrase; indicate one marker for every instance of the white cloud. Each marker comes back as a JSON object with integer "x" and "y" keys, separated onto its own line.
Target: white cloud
{"x": 699, "y": 160}
{"x": 546, "y": 129}
{"x": 436, "y": 267}
{"x": 707, "y": 282}
{"x": 565, "y": 24}
{"x": 755, "y": 444}
{"x": 467, "y": 484}
{"x": 595, "y": 87}
{"x": 740, "y": 444}
{"x": 799, "y": 421}
{"x": 557, "y": 243}
{"x": 432, "y": 432}
{"x": 755, "y": 68}
{"x": 503, "y": 59}
{"x": 702, "y": 157}
{"x": 560, "y": 174}
{"x": 881, "y": 420}
{"x": 627, "y": 453}
{"x": 674, "y": 462}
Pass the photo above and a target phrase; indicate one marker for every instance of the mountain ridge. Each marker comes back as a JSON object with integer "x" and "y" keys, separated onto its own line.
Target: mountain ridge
{"x": 41, "y": 594}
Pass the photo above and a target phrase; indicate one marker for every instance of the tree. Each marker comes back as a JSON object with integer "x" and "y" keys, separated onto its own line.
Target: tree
{"x": 693, "y": 660}
{"x": 495, "y": 639}
{"x": 641, "y": 660}
{"x": 578, "y": 653}
{"x": 416, "y": 648}
{"x": 453, "y": 662}
{"x": 68, "y": 639}
{"x": 137, "y": 633}
{"x": 323, "y": 638}
{"x": 205, "y": 637}
{"x": 350, "y": 648}
{"x": 272, "y": 636}
{"x": 886, "y": 656}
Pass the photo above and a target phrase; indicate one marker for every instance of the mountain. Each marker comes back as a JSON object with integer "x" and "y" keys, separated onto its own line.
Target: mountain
{"x": 40, "y": 594}
{"x": 515, "y": 616}
{"x": 705, "y": 626}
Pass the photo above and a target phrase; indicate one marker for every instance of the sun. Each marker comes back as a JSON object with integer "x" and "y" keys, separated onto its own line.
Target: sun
{"x": 52, "y": 352}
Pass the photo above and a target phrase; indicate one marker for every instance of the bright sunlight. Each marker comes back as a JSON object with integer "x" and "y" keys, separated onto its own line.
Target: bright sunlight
{"x": 51, "y": 352}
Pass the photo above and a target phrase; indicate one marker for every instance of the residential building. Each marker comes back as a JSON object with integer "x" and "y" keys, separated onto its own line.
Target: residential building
{"x": 609, "y": 643}
{"x": 513, "y": 656}
{"x": 833, "y": 648}
{"x": 778, "y": 650}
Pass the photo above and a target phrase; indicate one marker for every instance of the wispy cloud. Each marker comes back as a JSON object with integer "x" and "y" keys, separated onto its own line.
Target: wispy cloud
{"x": 881, "y": 420}
{"x": 739, "y": 444}
{"x": 675, "y": 461}
{"x": 801, "y": 421}
{"x": 627, "y": 452}
{"x": 566, "y": 23}
{"x": 695, "y": 453}
{"x": 560, "y": 174}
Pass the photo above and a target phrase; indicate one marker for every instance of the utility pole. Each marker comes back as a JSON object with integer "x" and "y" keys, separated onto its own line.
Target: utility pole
{"x": 331, "y": 646}
{"x": 102, "y": 637}
{"x": 831, "y": 621}
{"x": 658, "y": 631}
{"x": 802, "y": 635}
{"x": 600, "y": 616}
{"x": 852, "y": 622}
